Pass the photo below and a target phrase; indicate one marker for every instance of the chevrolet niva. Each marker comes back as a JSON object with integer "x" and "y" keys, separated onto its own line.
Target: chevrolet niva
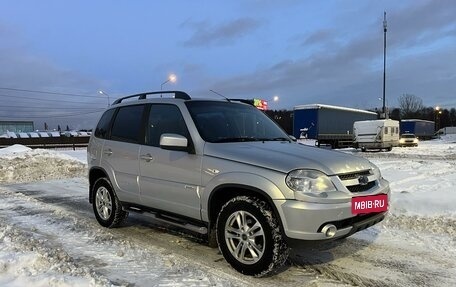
{"x": 224, "y": 169}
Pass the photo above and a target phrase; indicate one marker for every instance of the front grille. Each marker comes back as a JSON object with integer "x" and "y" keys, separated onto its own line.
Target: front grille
{"x": 352, "y": 181}
{"x": 361, "y": 188}
{"x": 354, "y": 175}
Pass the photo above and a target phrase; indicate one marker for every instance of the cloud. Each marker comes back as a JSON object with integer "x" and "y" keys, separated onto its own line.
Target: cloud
{"x": 205, "y": 34}
{"x": 22, "y": 69}
{"x": 351, "y": 72}
{"x": 319, "y": 37}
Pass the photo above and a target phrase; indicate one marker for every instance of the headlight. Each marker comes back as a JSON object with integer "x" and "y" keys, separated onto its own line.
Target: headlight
{"x": 305, "y": 181}
{"x": 376, "y": 171}
{"x": 415, "y": 141}
{"x": 402, "y": 140}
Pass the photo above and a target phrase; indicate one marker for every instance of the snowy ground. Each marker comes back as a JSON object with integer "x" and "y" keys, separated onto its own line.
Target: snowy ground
{"x": 49, "y": 237}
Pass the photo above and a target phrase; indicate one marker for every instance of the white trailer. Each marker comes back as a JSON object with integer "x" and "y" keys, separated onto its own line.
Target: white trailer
{"x": 376, "y": 134}
{"x": 447, "y": 131}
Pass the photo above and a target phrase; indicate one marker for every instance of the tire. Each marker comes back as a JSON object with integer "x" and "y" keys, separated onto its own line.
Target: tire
{"x": 106, "y": 206}
{"x": 258, "y": 252}
{"x": 363, "y": 149}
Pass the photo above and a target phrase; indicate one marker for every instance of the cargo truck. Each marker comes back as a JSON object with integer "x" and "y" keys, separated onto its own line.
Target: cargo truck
{"x": 376, "y": 134}
{"x": 421, "y": 128}
{"x": 328, "y": 125}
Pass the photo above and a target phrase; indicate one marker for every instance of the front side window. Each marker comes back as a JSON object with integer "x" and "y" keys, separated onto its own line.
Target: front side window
{"x": 164, "y": 119}
{"x": 233, "y": 122}
{"x": 127, "y": 124}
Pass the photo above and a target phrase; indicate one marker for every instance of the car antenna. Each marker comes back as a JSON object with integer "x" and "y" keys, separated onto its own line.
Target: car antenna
{"x": 220, "y": 95}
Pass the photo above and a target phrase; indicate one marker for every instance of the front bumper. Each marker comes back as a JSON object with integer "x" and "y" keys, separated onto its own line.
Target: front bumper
{"x": 305, "y": 221}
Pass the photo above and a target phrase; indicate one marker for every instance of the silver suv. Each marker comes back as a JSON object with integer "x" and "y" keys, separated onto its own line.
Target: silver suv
{"x": 223, "y": 169}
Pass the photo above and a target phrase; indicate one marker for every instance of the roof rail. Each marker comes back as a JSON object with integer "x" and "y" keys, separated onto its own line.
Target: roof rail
{"x": 143, "y": 96}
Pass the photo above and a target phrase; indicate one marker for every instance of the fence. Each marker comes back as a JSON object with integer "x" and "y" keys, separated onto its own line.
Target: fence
{"x": 50, "y": 142}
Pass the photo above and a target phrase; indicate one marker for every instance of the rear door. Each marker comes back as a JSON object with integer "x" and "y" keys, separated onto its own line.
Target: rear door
{"x": 170, "y": 179}
{"x": 120, "y": 152}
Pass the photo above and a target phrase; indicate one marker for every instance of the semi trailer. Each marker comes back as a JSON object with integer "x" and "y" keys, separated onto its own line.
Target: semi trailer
{"x": 328, "y": 125}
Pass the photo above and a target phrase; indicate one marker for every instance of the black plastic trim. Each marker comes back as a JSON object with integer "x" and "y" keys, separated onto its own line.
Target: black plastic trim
{"x": 138, "y": 208}
{"x": 143, "y": 96}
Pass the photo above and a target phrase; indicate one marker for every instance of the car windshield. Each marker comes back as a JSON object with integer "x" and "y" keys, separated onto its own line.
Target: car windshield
{"x": 408, "y": 136}
{"x": 219, "y": 122}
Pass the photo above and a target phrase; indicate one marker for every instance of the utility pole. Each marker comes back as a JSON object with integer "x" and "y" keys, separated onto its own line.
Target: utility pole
{"x": 384, "y": 65}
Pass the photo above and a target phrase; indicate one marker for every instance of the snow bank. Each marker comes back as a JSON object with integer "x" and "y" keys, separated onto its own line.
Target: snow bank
{"x": 422, "y": 181}
{"x": 17, "y": 148}
{"x": 22, "y": 164}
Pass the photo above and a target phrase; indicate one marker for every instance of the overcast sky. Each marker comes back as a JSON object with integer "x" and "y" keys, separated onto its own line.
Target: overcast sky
{"x": 306, "y": 52}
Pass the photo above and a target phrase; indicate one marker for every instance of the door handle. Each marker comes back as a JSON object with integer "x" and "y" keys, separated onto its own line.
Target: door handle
{"x": 147, "y": 157}
{"x": 108, "y": 152}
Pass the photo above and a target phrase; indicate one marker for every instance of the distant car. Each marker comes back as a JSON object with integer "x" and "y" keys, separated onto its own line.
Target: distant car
{"x": 408, "y": 140}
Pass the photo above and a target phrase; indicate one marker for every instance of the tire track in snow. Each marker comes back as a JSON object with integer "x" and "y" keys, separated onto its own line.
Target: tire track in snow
{"x": 55, "y": 262}
{"x": 353, "y": 262}
{"x": 152, "y": 255}
{"x": 123, "y": 262}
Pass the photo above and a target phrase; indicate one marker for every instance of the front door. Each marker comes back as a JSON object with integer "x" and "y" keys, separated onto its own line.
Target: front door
{"x": 169, "y": 179}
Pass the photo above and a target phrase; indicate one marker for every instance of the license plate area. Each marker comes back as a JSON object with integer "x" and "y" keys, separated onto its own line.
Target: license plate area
{"x": 368, "y": 204}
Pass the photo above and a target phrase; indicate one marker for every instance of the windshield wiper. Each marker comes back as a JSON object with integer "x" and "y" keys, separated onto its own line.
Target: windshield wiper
{"x": 274, "y": 139}
{"x": 236, "y": 139}
{"x": 281, "y": 139}
{"x": 250, "y": 139}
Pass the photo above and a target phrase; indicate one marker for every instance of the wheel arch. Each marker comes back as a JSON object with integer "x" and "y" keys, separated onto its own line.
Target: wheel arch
{"x": 95, "y": 173}
{"x": 223, "y": 193}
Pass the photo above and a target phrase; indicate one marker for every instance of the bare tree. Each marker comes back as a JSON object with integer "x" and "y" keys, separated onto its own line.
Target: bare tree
{"x": 410, "y": 105}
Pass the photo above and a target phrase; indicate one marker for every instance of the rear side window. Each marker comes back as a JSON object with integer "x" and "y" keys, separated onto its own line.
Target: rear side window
{"x": 103, "y": 125}
{"x": 127, "y": 124}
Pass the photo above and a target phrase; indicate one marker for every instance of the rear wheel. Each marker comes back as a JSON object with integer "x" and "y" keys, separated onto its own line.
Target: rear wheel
{"x": 249, "y": 236}
{"x": 107, "y": 208}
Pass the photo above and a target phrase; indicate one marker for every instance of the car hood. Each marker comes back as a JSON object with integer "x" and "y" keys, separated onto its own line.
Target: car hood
{"x": 285, "y": 157}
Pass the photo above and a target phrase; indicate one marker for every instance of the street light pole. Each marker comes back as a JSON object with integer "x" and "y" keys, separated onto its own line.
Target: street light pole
{"x": 384, "y": 63}
{"x": 437, "y": 115}
{"x": 171, "y": 78}
{"x": 161, "y": 86}
{"x": 387, "y": 107}
{"x": 103, "y": 93}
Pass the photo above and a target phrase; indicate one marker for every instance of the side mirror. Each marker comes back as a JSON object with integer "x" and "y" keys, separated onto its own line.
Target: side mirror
{"x": 173, "y": 142}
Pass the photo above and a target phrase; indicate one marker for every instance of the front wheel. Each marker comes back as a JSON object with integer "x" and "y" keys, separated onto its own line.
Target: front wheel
{"x": 107, "y": 208}
{"x": 249, "y": 236}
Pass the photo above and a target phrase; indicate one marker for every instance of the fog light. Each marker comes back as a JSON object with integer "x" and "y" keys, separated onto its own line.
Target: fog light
{"x": 329, "y": 230}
